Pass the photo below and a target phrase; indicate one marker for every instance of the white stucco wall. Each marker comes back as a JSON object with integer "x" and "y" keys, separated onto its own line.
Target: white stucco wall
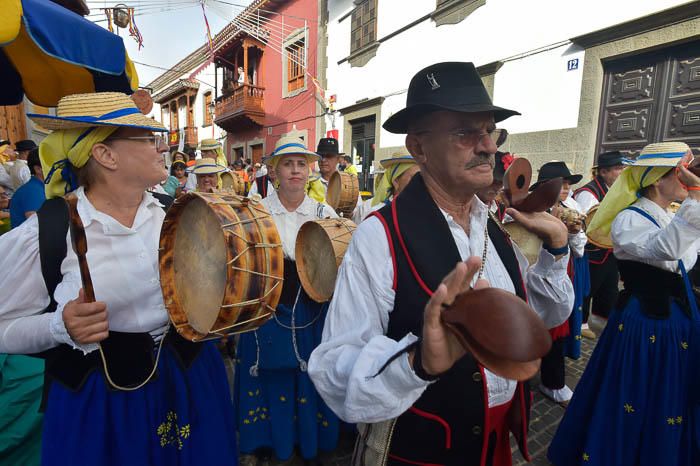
{"x": 536, "y": 84}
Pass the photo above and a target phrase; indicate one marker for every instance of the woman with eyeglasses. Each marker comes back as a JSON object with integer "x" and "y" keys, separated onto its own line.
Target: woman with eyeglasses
{"x": 123, "y": 387}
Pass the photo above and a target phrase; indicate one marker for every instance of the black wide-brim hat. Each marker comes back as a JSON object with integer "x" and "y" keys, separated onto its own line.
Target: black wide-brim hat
{"x": 25, "y": 144}
{"x": 328, "y": 146}
{"x": 555, "y": 170}
{"x": 453, "y": 86}
{"x": 609, "y": 159}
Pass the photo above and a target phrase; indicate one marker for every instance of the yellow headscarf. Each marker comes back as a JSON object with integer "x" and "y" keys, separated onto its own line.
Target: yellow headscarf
{"x": 385, "y": 188}
{"x": 623, "y": 193}
{"x": 65, "y": 148}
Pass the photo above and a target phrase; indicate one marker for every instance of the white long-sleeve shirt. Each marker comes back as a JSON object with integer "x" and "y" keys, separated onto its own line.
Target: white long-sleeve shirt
{"x": 586, "y": 200}
{"x": 124, "y": 270}
{"x": 355, "y": 347}
{"x": 636, "y": 238}
{"x": 577, "y": 241}
{"x": 19, "y": 173}
{"x": 288, "y": 223}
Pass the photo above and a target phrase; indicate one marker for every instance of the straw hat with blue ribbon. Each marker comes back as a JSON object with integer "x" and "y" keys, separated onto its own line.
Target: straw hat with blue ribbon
{"x": 290, "y": 145}
{"x": 653, "y": 163}
{"x": 394, "y": 167}
{"x": 81, "y": 121}
{"x": 207, "y": 166}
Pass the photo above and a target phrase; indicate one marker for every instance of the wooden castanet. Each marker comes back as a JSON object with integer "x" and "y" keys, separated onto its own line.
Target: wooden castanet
{"x": 319, "y": 250}
{"x": 221, "y": 265}
{"x": 500, "y": 330}
{"x": 516, "y": 183}
{"x": 343, "y": 190}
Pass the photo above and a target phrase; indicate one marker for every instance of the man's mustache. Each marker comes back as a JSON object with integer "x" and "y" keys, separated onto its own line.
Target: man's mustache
{"x": 481, "y": 159}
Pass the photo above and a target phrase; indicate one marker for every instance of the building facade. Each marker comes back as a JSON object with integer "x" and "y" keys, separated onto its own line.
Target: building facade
{"x": 586, "y": 76}
{"x": 256, "y": 83}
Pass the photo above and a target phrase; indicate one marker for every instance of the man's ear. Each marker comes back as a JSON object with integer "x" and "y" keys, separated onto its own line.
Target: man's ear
{"x": 105, "y": 156}
{"x": 415, "y": 148}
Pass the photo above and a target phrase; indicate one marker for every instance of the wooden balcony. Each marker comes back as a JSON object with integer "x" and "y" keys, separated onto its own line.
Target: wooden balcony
{"x": 244, "y": 104}
{"x": 191, "y": 138}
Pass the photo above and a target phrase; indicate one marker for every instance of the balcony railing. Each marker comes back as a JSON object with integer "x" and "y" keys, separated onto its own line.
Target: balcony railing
{"x": 190, "y": 133}
{"x": 243, "y": 100}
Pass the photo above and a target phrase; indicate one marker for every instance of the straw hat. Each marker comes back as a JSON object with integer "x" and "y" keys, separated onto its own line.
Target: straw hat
{"x": 660, "y": 154}
{"x": 397, "y": 157}
{"x": 179, "y": 155}
{"x": 209, "y": 144}
{"x": 96, "y": 109}
{"x": 290, "y": 145}
{"x": 207, "y": 166}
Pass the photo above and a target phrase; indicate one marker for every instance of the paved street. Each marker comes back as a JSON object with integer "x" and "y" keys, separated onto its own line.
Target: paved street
{"x": 545, "y": 419}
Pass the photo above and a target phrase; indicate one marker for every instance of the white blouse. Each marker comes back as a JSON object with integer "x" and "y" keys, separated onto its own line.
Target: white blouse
{"x": 124, "y": 269}
{"x": 355, "y": 344}
{"x": 636, "y": 238}
{"x": 288, "y": 223}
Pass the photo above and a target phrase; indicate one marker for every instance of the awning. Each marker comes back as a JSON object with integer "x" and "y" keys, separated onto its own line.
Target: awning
{"x": 47, "y": 52}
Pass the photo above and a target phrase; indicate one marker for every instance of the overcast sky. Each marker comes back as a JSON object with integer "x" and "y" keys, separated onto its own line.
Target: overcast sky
{"x": 171, "y": 35}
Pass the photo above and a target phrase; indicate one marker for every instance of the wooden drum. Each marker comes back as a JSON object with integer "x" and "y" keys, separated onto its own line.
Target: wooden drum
{"x": 221, "y": 265}
{"x": 232, "y": 183}
{"x": 319, "y": 250}
{"x": 343, "y": 189}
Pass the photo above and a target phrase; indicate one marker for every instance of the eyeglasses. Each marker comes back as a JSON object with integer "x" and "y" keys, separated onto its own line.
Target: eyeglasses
{"x": 157, "y": 140}
{"x": 469, "y": 137}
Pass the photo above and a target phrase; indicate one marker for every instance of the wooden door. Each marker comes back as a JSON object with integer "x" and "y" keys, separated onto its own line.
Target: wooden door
{"x": 652, "y": 97}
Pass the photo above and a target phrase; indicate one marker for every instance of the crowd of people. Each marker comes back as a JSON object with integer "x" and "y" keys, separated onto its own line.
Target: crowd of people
{"x": 92, "y": 372}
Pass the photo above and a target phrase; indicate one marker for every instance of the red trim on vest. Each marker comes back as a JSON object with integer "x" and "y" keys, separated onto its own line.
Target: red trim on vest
{"x": 418, "y": 278}
{"x": 417, "y": 463}
{"x": 438, "y": 419}
{"x": 521, "y": 388}
{"x": 485, "y": 430}
{"x": 560, "y": 331}
{"x": 579, "y": 190}
{"x": 391, "y": 246}
{"x": 604, "y": 191}
{"x": 605, "y": 258}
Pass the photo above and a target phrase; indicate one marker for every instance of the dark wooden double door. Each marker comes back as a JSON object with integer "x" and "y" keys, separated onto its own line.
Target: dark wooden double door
{"x": 651, "y": 97}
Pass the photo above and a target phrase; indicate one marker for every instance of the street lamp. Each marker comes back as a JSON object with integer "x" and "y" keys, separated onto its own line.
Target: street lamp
{"x": 121, "y": 15}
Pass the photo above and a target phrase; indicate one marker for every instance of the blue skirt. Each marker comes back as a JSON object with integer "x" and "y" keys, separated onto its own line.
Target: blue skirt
{"x": 582, "y": 286}
{"x": 631, "y": 406}
{"x": 181, "y": 418}
{"x": 277, "y": 405}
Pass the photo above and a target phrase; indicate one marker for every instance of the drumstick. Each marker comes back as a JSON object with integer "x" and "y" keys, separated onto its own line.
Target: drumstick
{"x": 79, "y": 242}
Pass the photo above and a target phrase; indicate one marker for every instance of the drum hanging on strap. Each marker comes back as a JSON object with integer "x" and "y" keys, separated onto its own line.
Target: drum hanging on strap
{"x": 343, "y": 189}
{"x": 595, "y": 237}
{"x": 319, "y": 250}
{"x": 232, "y": 183}
{"x": 221, "y": 265}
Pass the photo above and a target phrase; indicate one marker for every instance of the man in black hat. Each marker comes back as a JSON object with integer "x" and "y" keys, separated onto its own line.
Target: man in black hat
{"x": 330, "y": 157}
{"x": 386, "y": 361}
{"x": 19, "y": 170}
{"x": 601, "y": 261}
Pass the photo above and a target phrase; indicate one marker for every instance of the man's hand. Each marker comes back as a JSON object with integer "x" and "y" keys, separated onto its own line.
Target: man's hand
{"x": 547, "y": 227}
{"x": 86, "y": 322}
{"x": 440, "y": 348}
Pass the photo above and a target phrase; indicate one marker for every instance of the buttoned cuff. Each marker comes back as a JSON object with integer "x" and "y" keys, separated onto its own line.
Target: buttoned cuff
{"x": 548, "y": 265}
{"x": 60, "y": 334}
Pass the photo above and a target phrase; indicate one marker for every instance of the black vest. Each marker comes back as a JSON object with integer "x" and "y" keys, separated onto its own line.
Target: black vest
{"x": 447, "y": 424}
{"x": 596, "y": 186}
{"x": 261, "y": 183}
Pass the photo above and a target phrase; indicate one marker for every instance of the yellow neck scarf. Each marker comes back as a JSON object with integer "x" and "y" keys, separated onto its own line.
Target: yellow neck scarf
{"x": 623, "y": 193}
{"x": 63, "y": 149}
{"x": 385, "y": 188}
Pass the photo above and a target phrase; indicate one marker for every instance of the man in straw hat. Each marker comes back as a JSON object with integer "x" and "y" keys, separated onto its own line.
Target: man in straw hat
{"x": 638, "y": 401}
{"x": 107, "y": 401}
{"x": 601, "y": 261}
{"x": 386, "y": 358}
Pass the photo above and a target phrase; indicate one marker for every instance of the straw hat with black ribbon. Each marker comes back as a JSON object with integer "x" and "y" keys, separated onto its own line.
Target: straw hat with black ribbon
{"x": 81, "y": 121}
{"x": 394, "y": 167}
{"x": 653, "y": 163}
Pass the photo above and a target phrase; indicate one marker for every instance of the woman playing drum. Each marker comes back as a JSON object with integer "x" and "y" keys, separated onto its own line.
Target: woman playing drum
{"x": 279, "y": 406}
{"x": 182, "y": 415}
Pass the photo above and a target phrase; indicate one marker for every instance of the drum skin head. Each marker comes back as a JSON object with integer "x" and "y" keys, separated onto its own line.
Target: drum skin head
{"x": 200, "y": 264}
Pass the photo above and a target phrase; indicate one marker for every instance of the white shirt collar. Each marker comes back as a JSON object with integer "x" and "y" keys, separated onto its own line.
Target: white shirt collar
{"x": 274, "y": 205}
{"x": 88, "y": 213}
{"x": 653, "y": 209}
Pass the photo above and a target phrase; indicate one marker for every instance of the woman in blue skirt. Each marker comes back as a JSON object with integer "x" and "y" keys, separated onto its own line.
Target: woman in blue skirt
{"x": 122, "y": 387}
{"x": 278, "y": 406}
{"x": 635, "y": 404}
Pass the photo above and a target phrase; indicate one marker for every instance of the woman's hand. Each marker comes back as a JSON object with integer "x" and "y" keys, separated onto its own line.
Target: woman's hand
{"x": 86, "y": 322}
